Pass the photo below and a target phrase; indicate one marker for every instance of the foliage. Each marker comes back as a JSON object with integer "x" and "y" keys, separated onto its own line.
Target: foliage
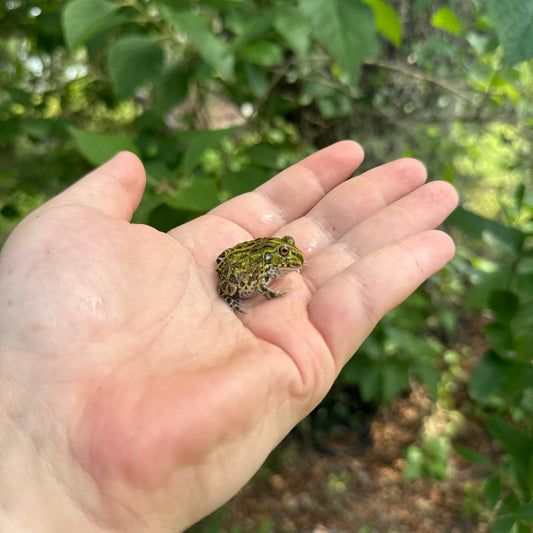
{"x": 216, "y": 96}
{"x": 501, "y": 385}
{"x": 429, "y": 460}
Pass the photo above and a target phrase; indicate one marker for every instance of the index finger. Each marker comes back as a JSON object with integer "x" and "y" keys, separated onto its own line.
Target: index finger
{"x": 293, "y": 192}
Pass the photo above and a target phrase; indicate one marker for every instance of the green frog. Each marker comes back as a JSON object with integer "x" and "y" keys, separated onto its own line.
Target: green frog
{"x": 248, "y": 268}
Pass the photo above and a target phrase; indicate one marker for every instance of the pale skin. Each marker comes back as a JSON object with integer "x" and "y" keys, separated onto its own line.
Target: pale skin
{"x": 132, "y": 398}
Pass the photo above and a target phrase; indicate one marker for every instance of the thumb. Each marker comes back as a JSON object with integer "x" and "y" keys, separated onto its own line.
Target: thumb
{"x": 115, "y": 188}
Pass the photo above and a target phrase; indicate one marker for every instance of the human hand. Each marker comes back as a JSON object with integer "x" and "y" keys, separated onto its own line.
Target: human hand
{"x": 132, "y": 398}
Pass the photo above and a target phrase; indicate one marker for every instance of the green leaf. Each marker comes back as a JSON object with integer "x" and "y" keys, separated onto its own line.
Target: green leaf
{"x": 477, "y": 297}
{"x": 522, "y": 329}
{"x": 414, "y": 463}
{"x": 387, "y": 21}
{"x": 519, "y": 195}
{"x": 200, "y": 195}
{"x": 132, "y": 61}
{"x": 82, "y": 19}
{"x": 100, "y": 147}
{"x": 446, "y": 20}
{"x": 505, "y": 517}
{"x": 471, "y": 455}
{"x": 475, "y": 226}
{"x": 429, "y": 375}
{"x": 211, "y": 48}
{"x": 518, "y": 445}
{"x": 38, "y": 128}
{"x": 513, "y": 21}
{"x": 294, "y": 28}
{"x": 523, "y": 340}
{"x": 503, "y": 377}
{"x": 525, "y": 512}
{"x": 171, "y": 88}
{"x": 198, "y": 141}
{"x": 346, "y": 28}
{"x": 244, "y": 180}
{"x": 492, "y": 489}
{"x": 524, "y": 285}
{"x": 255, "y": 28}
{"x": 436, "y": 450}
{"x": 500, "y": 337}
{"x": 504, "y": 304}
{"x": 366, "y": 374}
{"x": 263, "y": 53}
{"x": 257, "y": 80}
{"x": 488, "y": 377}
{"x": 264, "y": 156}
{"x": 395, "y": 379}
{"x": 371, "y": 386}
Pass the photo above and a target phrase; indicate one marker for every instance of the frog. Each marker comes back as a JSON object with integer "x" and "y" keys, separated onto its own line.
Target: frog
{"x": 249, "y": 267}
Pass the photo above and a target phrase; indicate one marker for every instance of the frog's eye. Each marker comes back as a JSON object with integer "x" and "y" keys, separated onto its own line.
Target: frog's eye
{"x": 284, "y": 250}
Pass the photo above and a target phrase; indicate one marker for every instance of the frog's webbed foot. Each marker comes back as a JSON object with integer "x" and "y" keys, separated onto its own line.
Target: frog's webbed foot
{"x": 268, "y": 293}
{"x": 234, "y": 303}
{"x": 273, "y": 294}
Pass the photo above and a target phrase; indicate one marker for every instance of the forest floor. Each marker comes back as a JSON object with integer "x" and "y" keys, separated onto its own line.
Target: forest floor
{"x": 363, "y": 489}
{"x": 301, "y": 490}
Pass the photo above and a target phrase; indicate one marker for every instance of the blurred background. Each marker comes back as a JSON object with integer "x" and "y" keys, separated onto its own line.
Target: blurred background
{"x": 430, "y": 427}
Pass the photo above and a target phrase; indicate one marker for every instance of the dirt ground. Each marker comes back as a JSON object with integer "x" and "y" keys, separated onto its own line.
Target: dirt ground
{"x": 303, "y": 491}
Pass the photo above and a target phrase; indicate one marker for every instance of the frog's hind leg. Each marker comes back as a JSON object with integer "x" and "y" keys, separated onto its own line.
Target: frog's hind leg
{"x": 227, "y": 291}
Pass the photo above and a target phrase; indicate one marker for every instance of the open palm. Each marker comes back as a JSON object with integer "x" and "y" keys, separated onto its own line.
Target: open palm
{"x": 151, "y": 400}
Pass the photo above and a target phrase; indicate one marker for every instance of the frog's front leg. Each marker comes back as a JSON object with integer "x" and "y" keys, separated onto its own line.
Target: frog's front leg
{"x": 262, "y": 288}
